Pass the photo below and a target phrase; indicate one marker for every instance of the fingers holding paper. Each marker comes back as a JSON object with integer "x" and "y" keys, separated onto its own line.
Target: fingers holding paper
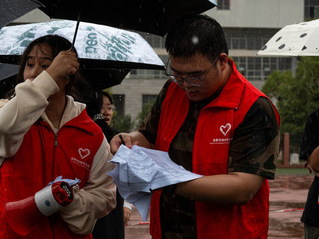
{"x": 129, "y": 139}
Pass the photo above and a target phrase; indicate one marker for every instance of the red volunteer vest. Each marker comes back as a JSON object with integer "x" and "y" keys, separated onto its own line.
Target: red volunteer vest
{"x": 214, "y": 132}
{"x": 40, "y": 159}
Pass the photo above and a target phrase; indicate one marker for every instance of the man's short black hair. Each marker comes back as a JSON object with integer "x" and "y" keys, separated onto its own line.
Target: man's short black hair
{"x": 193, "y": 35}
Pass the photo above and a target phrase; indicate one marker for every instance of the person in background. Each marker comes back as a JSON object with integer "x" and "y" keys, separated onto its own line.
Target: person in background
{"x": 309, "y": 151}
{"x": 45, "y": 134}
{"x": 215, "y": 123}
{"x": 112, "y": 225}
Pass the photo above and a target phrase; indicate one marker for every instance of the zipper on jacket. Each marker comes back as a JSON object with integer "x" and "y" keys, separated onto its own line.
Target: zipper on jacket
{"x": 56, "y": 140}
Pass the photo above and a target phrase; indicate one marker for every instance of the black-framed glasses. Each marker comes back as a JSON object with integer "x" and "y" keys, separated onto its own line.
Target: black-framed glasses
{"x": 195, "y": 80}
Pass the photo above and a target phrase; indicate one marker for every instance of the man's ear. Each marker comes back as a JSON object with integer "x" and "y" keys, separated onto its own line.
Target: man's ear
{"x": 223, "y": 59}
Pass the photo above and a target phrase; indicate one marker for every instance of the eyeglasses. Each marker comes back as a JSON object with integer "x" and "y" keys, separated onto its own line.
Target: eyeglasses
{"x": 191, "y": 80}
{"x": 108, "y": 107}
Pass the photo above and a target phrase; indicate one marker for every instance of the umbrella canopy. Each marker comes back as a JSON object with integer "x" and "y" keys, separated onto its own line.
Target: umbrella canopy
{"x": 8, "y": 70}
{"x": 107, "y": 77}
{"x": 152, "y": 16}
{"x": 13, "y": 9}
{"x": 106, "y": 54}
{"x": 98, "y": 46}
{"x": 8, "y": 74}
{"x": 294, "y": 40}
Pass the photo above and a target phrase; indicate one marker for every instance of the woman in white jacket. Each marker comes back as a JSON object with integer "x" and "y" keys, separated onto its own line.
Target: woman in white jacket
{"x": 45, "y": 133}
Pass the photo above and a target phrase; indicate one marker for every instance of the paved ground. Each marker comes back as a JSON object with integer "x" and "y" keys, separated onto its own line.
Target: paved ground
{"x": 288, "y": 194}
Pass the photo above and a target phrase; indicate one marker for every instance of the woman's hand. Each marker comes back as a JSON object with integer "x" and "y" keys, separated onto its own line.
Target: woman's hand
{"x": 63, "y": 65}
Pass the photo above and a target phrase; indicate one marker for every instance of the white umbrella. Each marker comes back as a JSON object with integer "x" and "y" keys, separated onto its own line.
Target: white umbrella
{"x": 300, "y": 39}
{"x": 98, "y": 46}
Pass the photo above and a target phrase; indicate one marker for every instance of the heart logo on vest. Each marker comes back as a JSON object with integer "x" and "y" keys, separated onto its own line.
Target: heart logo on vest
{"x": 225, "y": 128}
{"x": 84, "y": 153}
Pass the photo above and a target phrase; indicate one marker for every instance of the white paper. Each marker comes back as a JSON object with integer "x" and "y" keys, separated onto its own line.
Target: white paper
{"x": 139, "y": 171}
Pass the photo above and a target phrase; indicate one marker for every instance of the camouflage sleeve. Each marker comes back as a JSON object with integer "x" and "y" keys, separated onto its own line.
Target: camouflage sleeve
{"x": 255, "y": 144}
{"x": 150, "y": 124}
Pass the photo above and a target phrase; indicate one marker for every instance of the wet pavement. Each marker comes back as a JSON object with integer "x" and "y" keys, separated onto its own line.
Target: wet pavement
{"x": 288, "y": 195}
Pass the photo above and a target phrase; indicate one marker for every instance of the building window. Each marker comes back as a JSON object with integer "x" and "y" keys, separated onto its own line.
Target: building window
{"x": 119, "y": 102}
{"x": 223, "y": 4}
{"x": 258, "y": 68}
{"x": 248, "y": 39}
{"x": 148, "y": 99}
{"x": 311, "y": 9}
{"x": 238, "y": 43}
{"x": 147, "y": 103}
{"x": 147, "y": 73}
{"x": 154, "y": 40}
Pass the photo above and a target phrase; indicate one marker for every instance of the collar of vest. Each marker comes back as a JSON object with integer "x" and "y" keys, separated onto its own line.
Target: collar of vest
{"x": 230, "y": 95}
{"x": 82, "y": 122}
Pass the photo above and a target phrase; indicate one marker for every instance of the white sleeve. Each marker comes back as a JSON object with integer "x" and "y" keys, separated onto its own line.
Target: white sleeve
{"x": 20, "y": 113}
{"x": 96, "y": 199}
{"x": 128, "y": 205}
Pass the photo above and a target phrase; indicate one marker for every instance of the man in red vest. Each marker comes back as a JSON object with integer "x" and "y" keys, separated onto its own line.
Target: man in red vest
{"x": 213, "y": 122}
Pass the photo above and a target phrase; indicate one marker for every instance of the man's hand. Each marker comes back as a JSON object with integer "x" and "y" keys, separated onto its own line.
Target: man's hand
{"x": 122, "y": 138}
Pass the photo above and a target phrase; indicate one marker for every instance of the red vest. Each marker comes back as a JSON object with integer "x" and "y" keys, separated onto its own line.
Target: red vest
{"x": 214, "y": 132}
{"x": 40, "y": 159}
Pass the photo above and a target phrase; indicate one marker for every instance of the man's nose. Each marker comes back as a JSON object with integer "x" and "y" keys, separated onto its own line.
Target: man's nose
{"x": 185, "y": 83}
{"x": 104, "y": 111}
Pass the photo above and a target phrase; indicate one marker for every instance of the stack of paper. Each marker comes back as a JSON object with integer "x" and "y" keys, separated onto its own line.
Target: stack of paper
{"x": 139, "y": 171}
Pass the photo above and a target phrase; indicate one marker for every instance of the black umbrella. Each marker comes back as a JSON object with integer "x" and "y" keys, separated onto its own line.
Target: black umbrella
{"x": 8, "y": 70}
{"x": 109, "y": 77}
{"x": 13, "y": 9}
{"x": 8, "y": 75}
{"x": 151, "y": 16}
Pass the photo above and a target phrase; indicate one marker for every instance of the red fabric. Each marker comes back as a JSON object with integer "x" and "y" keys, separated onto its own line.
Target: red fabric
{"x": 214, "y": 132}
{"x": 40, "y": 160}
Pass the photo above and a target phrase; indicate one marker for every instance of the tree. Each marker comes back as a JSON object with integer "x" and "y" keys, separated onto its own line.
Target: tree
{"x": 295, "y": 97}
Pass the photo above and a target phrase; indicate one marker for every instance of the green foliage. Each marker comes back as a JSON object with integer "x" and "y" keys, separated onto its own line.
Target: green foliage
{"x": 295, "y": 97}
{"x": 122, "y": 123}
